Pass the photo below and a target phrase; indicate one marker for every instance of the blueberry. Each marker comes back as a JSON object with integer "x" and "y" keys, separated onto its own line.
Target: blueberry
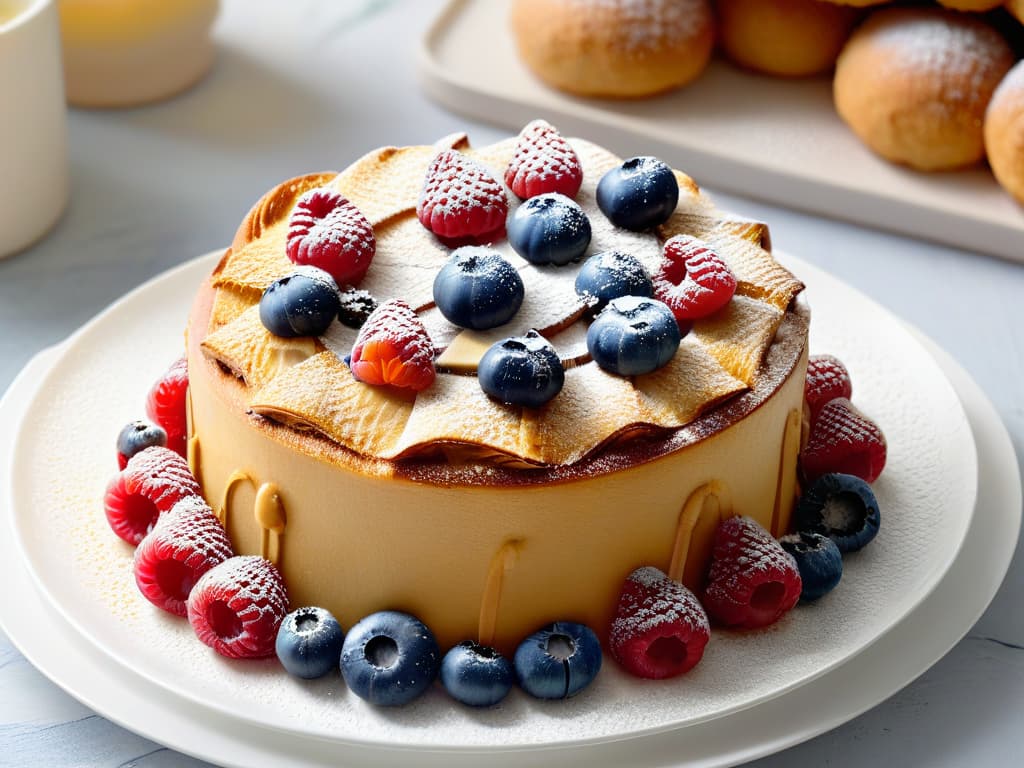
{"x": 639, "y": 194}
{"x": 309, "y": 642}
{"x": 139, "y": 435}
{"x": 477, "y": 288}
{"x": 355, "y": 305}
{"x": 476, "y": 674}
{"x": 842, "y": 507}
{"x": 633, "y": 335}
{"x": 611, "y": 274}
{"x": 304, "y": 303}
{"x": 819, "y": 560}
{"x": 549, "y": 229}
{"x": 522, "y": 370}
{"x": 558, "y": 661}
{"x": 390, "y": 658}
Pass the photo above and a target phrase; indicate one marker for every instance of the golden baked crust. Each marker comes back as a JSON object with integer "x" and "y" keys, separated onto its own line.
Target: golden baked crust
{"x": 789, "y": 38}
{"x": 614, "y": 48}
{"x": 913, "y": 84}
{"x": 1004, "y": 132}
{"x": 302, "y": 382}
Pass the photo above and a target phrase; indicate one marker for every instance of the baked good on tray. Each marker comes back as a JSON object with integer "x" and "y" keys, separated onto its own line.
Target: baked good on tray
{"x": 1004, "y": 132}
{"x": 525, "y": 401}
{"x": 614, "y": 48}
{"x": 913, "y": 84}
{"x": 787, "y": 38}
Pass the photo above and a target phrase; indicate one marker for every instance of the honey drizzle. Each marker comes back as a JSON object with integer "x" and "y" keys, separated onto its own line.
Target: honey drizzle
{"x": 696, "y": 505}
{"x": 271, "y": 518}
{"x": 238, "y": 476}
{"x": 502, "y": 562}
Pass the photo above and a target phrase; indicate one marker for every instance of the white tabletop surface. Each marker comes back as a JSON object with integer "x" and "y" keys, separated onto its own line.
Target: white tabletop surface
{"x": 306, "y": 86}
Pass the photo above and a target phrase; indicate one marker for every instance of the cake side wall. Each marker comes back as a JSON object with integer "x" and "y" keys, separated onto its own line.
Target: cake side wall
{"x": 355, "y": 543}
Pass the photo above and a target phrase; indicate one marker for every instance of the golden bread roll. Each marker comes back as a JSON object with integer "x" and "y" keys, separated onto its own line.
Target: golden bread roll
{"x": 1004, "y": 132}
{"x": 1016, "y": 7}
{"x": 913, "y": 84}
{"x": 616, "y": 48}
{"x": 791, "y": 38}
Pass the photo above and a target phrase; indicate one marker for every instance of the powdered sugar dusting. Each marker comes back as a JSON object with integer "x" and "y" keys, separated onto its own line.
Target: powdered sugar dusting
{"x": 161, "y": 475}
{"x": 954, "y": 55}
{"x": 645, "y": 25}
{"x": 650, "y": 600}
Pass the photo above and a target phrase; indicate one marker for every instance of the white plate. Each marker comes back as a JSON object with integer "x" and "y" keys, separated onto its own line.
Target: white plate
{"x": 917, "y": 641}
{"x": 777, "y": 139}
{"x": 63, "y": 456}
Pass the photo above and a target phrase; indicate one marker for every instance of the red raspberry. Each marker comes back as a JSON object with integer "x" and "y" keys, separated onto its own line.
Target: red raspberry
{"x": 393, "y": 348}
{"x": 843, "y": 440}
{"x": 327, "y": 231}
{"x": 461, "y": 202}
{"x": 827, "y": 379}
{"x": 692, "y": 279}
{"x": 154, "y": 481}
{"x": 165, "y": 405}
{"x": 543, "y": 162}
{"x": 753, "y": 580}
{"x": 237, "y": 607}
{"x": 184, "y": 544}
{"x": 659, "y": 629}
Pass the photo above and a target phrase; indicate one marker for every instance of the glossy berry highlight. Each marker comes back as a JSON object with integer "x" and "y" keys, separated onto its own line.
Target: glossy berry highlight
{"x": 478, "y": 288}
{"x": 522, "y": 370}
{"x": 390, "y": 658}
{"x": 633, "y": 336}
{"x": 639, "y": 194}
{"x": 549, "y": 229}
{"x": 304, "y": 303}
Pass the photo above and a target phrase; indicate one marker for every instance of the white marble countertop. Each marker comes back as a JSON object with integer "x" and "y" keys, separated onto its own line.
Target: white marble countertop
{"x": 305, "y": 86}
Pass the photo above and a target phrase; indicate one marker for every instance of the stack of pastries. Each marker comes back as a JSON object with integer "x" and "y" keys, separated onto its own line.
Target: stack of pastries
{"x": 933, "y": 86}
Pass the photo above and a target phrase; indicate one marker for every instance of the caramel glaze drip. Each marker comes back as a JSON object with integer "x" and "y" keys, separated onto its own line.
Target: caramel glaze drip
{"x": 502, "y": 562}
{"x": 791, "y": 442}
{"x": 271, "y": 518}
{"x": 712, "y": 498}
{"x": 268, "y": 510}
{"x": 238, "y": 476}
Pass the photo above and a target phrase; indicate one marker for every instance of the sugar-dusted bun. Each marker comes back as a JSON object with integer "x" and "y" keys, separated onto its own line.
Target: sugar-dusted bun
{"x": 617, "y": 48}
{"x": 1004, "y": 132}
{"x": 971, "y": 5}
{"x": 126, "y": 53}
{"x": 913, "y": 84}
{"x": 784, "y": 37}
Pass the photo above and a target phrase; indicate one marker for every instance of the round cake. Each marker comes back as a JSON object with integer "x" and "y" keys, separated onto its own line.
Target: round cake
{"x": 486, "y": 519}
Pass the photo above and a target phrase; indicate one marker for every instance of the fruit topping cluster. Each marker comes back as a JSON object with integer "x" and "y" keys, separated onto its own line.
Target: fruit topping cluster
{"x": 661, "y": 628}
{"x": 637, "y": 319}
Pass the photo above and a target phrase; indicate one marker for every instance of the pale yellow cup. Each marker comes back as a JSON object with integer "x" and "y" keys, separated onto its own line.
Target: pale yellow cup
{"x": 33, "y": 123}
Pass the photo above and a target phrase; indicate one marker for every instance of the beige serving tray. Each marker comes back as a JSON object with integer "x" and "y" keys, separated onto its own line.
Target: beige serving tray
{"x": 774, "y": 139}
